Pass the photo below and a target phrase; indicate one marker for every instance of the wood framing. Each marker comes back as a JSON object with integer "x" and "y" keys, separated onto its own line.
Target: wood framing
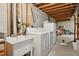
{"x": 9, "y": 19}
{"x": 61, "y": 8}
{"x": 58, "y": 10}
{"x": 55, "y": 6}
{"x": 29, "y": 14}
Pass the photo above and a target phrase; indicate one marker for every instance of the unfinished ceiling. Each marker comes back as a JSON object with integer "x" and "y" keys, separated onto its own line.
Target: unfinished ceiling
{"x": 59, "y": 11}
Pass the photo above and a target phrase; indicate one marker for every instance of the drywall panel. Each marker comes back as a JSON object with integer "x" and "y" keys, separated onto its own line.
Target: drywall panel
{"x": 3, "y": 17}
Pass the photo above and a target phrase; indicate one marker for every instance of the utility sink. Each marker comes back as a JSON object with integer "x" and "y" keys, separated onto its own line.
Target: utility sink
{"x": 18, "y": 39}
{"x": 19, "y": 45}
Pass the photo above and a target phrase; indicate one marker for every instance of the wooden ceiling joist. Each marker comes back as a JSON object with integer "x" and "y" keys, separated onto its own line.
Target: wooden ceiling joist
{"x": 62, "y": 18}
{"x": 61, "y": 8}
{"x": 56, "y": 6}
{"x": 46, "y": 5}
{"x": 41, "y": 4}
{"x": 58, "y": 20}
{"x": 59, "y": 5}
{"x": 37, "y": 4}
{"x": 63, "y": 15}
{"x": 59, "y": 11}
{"x": 59, "y": 14}
{"x": 64, "y": 12}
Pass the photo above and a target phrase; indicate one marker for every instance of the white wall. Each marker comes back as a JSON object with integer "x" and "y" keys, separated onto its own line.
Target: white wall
{"x": 3, "y": 20}
{"x": 39, "y": 17}
{"x": 68, "y": 24}
{"x": 3, "y": 17}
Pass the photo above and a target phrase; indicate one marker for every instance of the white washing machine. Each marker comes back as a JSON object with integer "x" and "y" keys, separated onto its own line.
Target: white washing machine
{"x": 40, "y": 41}
{"x": 51, "y": 28}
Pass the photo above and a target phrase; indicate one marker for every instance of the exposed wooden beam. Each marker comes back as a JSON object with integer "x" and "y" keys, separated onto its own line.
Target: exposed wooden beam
{"x": 53, "y": 7}
{"x": 37, "y": 3}
{"x": 62, "y": 19}
{"x": 9, "y": 19}
{"x": 61, "y": 8}
{"x": 62, "y": 16}
{"x": 58, "y": 20}
{"x": 66, "y": 12}
{"x": 40, "y": 4}
{"x": 61, "y": 11}
{"x": 65, "y": 18}
{"x": 20, "y": 12}
{"x": 46, "y": 5}
{"x": 29, "y": 14}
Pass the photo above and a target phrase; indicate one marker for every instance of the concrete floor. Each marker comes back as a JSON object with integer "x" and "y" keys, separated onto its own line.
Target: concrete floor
{"x": 60, "y": 50}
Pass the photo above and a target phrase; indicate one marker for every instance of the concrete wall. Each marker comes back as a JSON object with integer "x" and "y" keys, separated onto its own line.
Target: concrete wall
{"x": 3, "y": 17}
{"x": 68, "y": 25}
{"x": 39, "y": 17}
{"x": 51, "y": 19}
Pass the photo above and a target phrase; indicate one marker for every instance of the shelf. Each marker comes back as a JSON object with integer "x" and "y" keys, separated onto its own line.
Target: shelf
{"x": 1, "y": 42}
{"x": 76, "y": 23}
{"x": 2, "y": 53}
